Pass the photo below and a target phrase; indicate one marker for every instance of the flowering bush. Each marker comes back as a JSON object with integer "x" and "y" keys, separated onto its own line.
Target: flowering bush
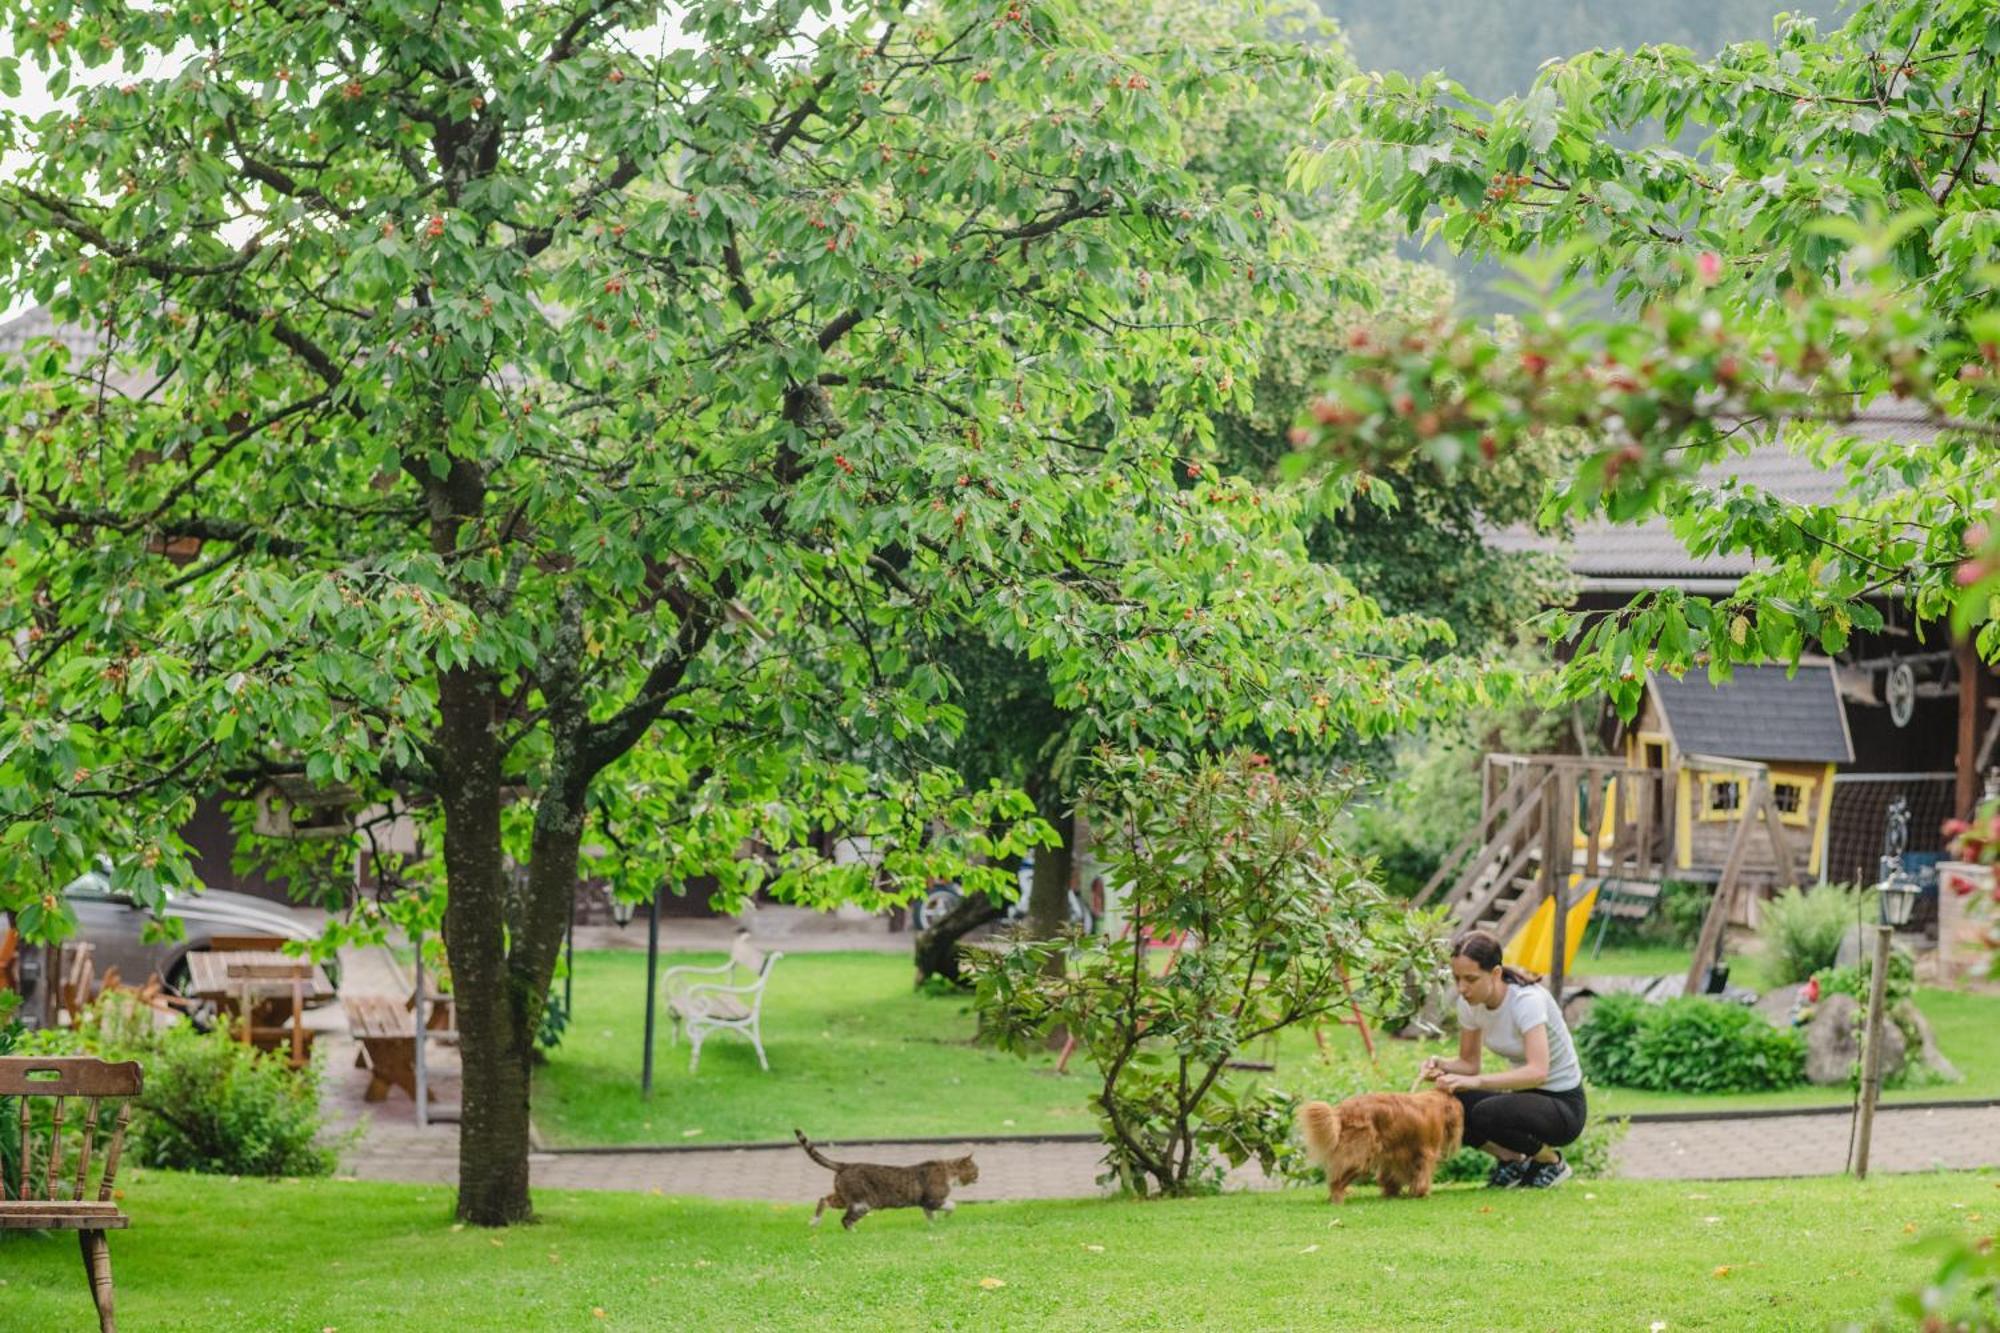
{"x": 1978, "y": 840}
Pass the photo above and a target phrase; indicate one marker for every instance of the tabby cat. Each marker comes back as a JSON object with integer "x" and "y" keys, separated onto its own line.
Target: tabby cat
{"x": 861, "y": 1187}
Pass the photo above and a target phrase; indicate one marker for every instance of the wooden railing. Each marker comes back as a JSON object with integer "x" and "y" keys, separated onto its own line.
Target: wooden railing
{"x": 1598, "y": 817}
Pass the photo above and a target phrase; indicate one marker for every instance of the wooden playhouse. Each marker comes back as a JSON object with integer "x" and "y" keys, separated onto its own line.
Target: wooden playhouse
{"x": 1726, "y": 783}
{"x": 1717, "y": 739}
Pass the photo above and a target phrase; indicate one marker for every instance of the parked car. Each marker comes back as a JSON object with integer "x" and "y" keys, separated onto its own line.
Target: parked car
{"x": 115, "y": 925}
{"x": 941, "y": 898}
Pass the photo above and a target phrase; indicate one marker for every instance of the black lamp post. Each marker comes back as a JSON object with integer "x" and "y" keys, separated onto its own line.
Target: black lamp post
{"x": 652, "y": 986}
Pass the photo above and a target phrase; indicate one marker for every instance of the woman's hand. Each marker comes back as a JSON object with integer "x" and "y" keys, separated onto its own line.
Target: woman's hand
{"x": 1457, "y": 1082}
{"x": 1430, "y": 1069}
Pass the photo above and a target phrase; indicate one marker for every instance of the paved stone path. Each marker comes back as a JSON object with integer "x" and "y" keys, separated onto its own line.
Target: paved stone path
{"x": 1916, "y": 1139}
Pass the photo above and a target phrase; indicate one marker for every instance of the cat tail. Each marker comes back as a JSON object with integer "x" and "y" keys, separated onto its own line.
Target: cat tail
{"x": 815, "y": 1153}
{"x": 1320, "y": 1124}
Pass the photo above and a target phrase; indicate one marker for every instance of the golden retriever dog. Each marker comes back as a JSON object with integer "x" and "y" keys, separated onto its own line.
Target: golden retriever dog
{"x": 1399, "y": 1137}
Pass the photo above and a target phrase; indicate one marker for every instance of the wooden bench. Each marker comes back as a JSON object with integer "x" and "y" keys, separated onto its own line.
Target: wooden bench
{"x": 1623, "y": 900}
{"x": 727, "y": 1005}
{"x": 46, "y": 1195}
{"x": 386, "y": 1031}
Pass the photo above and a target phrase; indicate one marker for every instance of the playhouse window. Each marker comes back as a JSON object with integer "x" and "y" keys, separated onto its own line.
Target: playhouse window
{"x": 1725, "y": 797}
{"x": 1794, "y": 800}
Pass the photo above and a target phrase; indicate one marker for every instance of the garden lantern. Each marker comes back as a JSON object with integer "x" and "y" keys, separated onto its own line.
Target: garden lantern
{"x": 1897, "y": 891}
{"x": 622, "y": 910}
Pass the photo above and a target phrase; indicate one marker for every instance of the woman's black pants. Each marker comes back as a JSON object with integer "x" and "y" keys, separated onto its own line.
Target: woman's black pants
{"x": 1526, "y": 1121}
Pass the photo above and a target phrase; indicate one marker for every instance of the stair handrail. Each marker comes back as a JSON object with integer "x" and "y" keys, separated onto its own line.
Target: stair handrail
{"x": 1506, "y": 799}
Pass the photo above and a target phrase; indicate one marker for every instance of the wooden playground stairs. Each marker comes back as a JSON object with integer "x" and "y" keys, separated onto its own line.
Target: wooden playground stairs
{"x": 1523, "y": 850}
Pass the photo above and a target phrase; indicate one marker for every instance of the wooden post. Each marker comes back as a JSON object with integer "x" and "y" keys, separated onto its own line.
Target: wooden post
{"x": 1594, "y": 802}
{"x": 1871, "y": 1054}
{"x": 1621, "y": 802}
{"x": 1557, "y": 868}
{"x": 1708, "y": 949}
{"x": 1971, "y": 683}
{"x": 420, "y": 1015}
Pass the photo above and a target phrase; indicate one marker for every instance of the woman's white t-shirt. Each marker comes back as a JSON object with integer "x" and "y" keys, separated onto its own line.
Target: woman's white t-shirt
{"x": 1504, "y": 1030}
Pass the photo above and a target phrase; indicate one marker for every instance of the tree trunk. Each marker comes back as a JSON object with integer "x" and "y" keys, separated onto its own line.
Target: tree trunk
{"x": 1048, "y": 894}
{"x": 493, "y": 1124}
{"x": 937, "y": 948}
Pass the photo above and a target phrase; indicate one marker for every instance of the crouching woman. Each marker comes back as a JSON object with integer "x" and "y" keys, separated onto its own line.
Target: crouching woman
{"x": 1524, "y": 1115}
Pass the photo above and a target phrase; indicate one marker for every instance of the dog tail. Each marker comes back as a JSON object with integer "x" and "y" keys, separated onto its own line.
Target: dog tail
{"x": 1320, "y": 1124}
{"x": 815, "y": 1153}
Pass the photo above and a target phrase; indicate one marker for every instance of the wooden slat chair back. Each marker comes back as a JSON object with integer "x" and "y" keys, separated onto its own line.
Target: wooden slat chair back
{"x": 48, "y": 1192}
{"x": 254, "y": 980}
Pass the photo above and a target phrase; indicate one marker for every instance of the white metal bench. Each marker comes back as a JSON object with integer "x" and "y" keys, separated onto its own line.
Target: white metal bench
{"x": 725, "y": 1005}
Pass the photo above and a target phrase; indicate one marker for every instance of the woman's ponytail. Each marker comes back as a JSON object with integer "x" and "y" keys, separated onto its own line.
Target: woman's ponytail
{"x": 1485, "y": 950}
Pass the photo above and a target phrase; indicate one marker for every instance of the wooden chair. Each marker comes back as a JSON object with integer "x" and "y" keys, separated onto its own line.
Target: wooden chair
{"x": 76, "y": 985}
{"x": 46, "y": 1196}
{"x": 703, "y": 1007}
{"x": 10, "y": 960}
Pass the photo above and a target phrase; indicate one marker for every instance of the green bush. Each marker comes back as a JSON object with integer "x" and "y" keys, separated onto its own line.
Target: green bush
{"x": 213, "y": 1104}
{"x": 209, "y": 1103}
{"x": 1802, "y": 930}
{"x": 1853, "y": 980}
{"x": 10, "y": 1148}
{"x": 1608, "y": 1037}
{"x": 1690, "y": 1044}
{"x": 1683, "y": 907}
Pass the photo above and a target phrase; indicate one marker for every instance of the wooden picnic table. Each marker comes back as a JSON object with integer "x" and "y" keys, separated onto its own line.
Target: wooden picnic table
{"x": 209, "y": 979}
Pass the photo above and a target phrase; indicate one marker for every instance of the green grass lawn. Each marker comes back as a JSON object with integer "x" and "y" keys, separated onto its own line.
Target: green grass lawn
{"x": 855, "y": 1052}
{"x": 210, "y": 1254}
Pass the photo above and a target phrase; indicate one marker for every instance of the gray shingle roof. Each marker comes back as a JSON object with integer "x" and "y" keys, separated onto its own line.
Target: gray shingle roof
{"x": 82, "y": 342}
{"x": 1758, "y": 713}
{"x": 1611, "y": 557}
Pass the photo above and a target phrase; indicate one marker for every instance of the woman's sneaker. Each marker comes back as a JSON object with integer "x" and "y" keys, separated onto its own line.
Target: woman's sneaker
{"x": 1546, "y": 1175}
{"x": 1507, "y": 1175}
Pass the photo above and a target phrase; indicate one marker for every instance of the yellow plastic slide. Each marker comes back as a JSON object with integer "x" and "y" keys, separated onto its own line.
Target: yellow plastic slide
{"x": 1533, "y": 946}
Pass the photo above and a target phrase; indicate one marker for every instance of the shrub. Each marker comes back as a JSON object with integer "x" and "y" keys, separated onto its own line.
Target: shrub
{"x": 210, "y": 1103}
{"x": 213, "y": 1104}
{"x": 1683, "y": 907}
{"x": 1607, "y": 1038}
{"x": 10, "y": 1148}
{"x": 1285, "y": 927}
{"x": 1690, "y": 1044}
{"x": 1801, "y": 930}
{"x": 1853, "y": 980}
